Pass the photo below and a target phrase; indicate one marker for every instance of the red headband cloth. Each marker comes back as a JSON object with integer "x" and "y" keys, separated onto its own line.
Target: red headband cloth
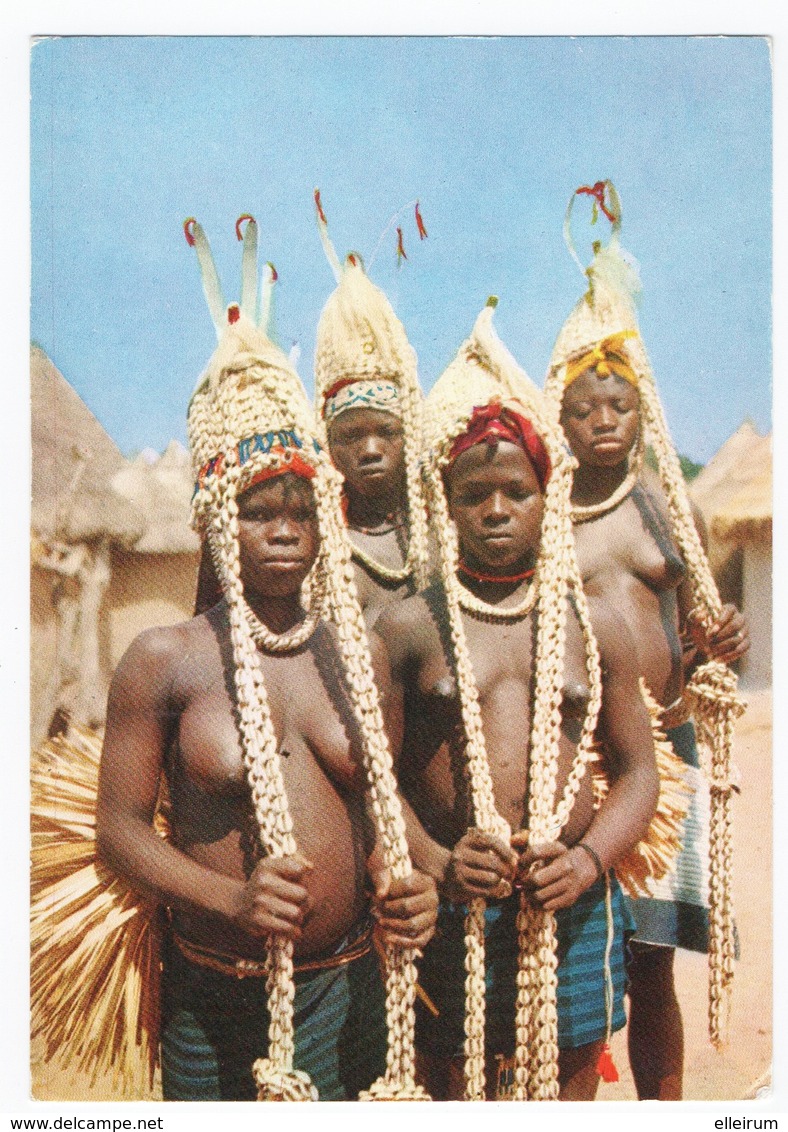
{"x": 294, "y": 464}
{"x": 492, "y": 423}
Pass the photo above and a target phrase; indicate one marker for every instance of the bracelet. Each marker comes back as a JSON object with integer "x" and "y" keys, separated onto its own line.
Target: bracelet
{"x": 600, "y": 872}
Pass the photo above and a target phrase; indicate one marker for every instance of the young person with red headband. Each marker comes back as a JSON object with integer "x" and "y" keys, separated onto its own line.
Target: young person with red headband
{"x": 496, "y": 674}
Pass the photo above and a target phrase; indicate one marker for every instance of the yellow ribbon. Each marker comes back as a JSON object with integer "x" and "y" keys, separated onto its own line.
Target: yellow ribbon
{"x": 605, "y": 358}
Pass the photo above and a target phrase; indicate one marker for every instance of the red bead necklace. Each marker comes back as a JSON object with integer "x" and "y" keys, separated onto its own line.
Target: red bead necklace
{"x": 478, "y": 577}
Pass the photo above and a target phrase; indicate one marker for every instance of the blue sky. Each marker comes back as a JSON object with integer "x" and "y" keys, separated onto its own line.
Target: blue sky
{"x": 131, "y": 135}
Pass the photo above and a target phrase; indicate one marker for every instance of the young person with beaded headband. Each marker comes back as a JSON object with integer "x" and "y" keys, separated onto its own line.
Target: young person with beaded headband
{"x": 209, "y": 590}
{"x": 639, "y": 545}
{"x": 370, "y": 406}
{"x": 502, "y": 686}
{"x": 264, "y": 716}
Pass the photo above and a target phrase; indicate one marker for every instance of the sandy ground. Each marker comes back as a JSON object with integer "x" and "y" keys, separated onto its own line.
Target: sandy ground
{"x": 744, "y": 1067}
{"x": 739, "y": 1071}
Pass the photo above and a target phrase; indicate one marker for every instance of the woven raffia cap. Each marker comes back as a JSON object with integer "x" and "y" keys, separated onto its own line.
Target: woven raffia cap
{"x": 483, "y": 372}
{"x": 360, "y": 337}
{"x": 608, "y": 307}
{"x": 249, "y": 399}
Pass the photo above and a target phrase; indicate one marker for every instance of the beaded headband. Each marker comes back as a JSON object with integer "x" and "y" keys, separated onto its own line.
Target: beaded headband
{"x": 380, "y": 395}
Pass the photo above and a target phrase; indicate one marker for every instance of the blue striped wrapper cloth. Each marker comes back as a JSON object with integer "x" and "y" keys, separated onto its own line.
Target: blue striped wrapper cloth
{"x": 214, "y": 1026}
{"x": 581, "y": 940}
{"x": 676, "y": 913}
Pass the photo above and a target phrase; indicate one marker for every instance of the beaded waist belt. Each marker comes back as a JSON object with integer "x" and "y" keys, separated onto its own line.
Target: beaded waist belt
{"x": 228, "y": 964}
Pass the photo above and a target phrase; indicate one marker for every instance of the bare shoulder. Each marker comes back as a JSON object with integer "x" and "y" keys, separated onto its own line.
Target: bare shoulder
{"x": 651, "y": 484}
{"x": 166, "y": 641}
{"x": 154, "y": 658}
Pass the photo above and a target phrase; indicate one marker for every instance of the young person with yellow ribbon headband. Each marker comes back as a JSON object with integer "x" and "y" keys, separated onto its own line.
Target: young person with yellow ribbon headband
{"x": 639, "y": 545}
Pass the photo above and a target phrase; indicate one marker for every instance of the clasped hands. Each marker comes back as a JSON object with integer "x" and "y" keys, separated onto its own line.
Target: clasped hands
{"x": 275, "y": 901}
{"x": 553, "y": 874}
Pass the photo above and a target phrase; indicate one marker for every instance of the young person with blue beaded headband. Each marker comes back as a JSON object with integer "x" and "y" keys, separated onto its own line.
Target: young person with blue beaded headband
{"x": 369, "y": 403}
{"x": 502, "y": 687}
{"x": 264, "y": 717}
{"x": 639, "y": 545}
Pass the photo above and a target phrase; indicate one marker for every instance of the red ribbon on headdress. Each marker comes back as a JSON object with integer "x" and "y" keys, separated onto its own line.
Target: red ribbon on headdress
{"x": 335, "y": 388}
{"x": 239, "y": 222}
{"x": 597, "y": 191}
{"x": 491, "y": 423}
{"x": 294, "y": 464}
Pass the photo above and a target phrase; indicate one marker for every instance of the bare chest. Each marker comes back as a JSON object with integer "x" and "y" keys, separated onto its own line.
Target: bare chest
{"x": 502, "y": 658}
{"x": 634, "y": 540}
{"x": 501, "y": 669}
{"x": 376, "y": 559}
{"x": 309, "y": 713}
{"x": 389, "y": 549}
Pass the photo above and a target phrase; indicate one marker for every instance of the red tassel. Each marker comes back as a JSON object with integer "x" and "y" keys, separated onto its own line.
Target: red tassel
{"x": 319, "y": 207}
{"x": 239, "y": 222}
{"x": 233, "y": 312}
{"x": 420, "y": 224}
{"x": 187, "y": 230}
{"x": 274, "y": 272}
{"x": 598, "y": 192}
{"x": 400, "y": 247}
{"x": 605, "y": 1066}
{"x": 352, "y": 260}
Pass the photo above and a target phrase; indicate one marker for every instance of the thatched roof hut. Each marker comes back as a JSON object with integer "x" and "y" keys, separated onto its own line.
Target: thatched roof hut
{"x": 154, "y": 582}
{"x": 734, "y": 493}
{"x": 74, "y": 461}
{"x": 747, "y": 517}
{"x": 112, "y": 551}
{"x": 160, "y": 488}
{"x": 745, "y": 457}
